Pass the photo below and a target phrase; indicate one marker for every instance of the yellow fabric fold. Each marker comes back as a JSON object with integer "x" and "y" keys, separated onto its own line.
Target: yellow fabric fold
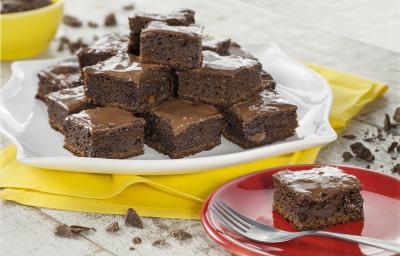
{"x": 171, "y": 196}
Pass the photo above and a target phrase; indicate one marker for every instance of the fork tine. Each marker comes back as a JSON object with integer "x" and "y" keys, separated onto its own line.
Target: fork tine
{"x": 232, "y": 214}
{"x": 227, "y": 222}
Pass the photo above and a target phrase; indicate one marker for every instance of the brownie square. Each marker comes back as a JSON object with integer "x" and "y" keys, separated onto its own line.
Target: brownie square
{"x": 63, "y": 75}
{"x": 65, "y": 102}
{"x": 267, "y": 80}
{"x": 237, "y": 50}
{"x": 264, "y": 118}
{"x": 180, "y": 128}
{"x": 220, "y": 46}
{"x": 107, "y": 132}
{"x": 102, "y": 49}
{"x": 317, "y": 198}
{"x": 122, "y": 82}
{"x": 221, "y": 80}
{"x": 173, "y": 46}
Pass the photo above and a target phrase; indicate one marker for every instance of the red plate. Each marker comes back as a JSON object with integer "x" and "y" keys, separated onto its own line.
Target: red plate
{"x": 252, "y": 195}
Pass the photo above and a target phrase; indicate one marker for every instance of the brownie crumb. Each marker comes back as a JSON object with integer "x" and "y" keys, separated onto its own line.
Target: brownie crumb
{"x": 396, "y": 168}
{"x": 73, "y": 46}
{"x": 160, "y": 243}
{"x": 349, "y": 136}
{"x": 398, "y": 148}
{"x": 362, "y": 152}
{"x": 137, "y": 240}
{"x": 132, "y": 248}
{"x": 392, "y": 146}
{"x": 63, "y": 41}
{"x": 64, "y": 230}
{"x": 396, "y": 115}
{"x": 394, "y": 158}
{"x": 110, "y": 20}
{"x": 79, "y": 229}
{"x": 180, "y": 235}
{"x": 133, "y": 219}
{"x": 376, "y": 150}
{"x": 92, "y": 24}
{"x": 369, "y": 139}
{"x": 368, "y": 166}
{"x": 128, "y": 7}
{"x": 387, "y": 125}
{"x": 347, "y": 156}
{"x": 72, "y": 21}
{"x": 113, "y": 227}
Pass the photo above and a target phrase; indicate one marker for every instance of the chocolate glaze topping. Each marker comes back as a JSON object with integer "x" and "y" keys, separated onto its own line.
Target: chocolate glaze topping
{"x": 69, "y": 98}
{"x": 102, "y": 119}
{"x": 236, "y": 49}
{"x": 319, "y": 183}
{"x": 183, "y": 113}
{"x": 263, "y": 103}
{"x": 210, "y": 42}
{"x": 109, "y": 43}
{"x": 214, "y": 61}
{"x": 66, "y": 73}
{"x": 195, "y": 30}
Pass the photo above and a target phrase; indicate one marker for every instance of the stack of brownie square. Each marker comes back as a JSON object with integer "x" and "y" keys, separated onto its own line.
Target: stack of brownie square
{"x": 166, "y": 85}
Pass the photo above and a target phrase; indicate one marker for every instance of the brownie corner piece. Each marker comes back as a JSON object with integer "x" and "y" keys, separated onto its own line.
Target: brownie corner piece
{"x": 107, "y": 132}
{"x": 263, "y": 119}
{"x": 220, "y": 46}
{"x": 180, "y": 128}
{"x": 221, "y": 80}
{"x": 173, "y": 46}
{"x": 65, "y": 102}
{"x": 317, "y": 198}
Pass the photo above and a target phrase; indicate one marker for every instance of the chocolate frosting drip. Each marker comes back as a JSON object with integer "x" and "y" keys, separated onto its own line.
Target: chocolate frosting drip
{"x": 183, "y": 113}
{"x": 103, "y": 119}
{"x": 195, "y": 30}
{"x": 319, "y": 183}
{"x": 263, "y": 103}
{"x": 69, "y": 98}
{"x": 214, "y": 61}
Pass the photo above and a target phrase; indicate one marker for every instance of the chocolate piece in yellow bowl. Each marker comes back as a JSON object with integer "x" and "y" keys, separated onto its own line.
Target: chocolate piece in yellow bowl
{"x": 28, "y": 33}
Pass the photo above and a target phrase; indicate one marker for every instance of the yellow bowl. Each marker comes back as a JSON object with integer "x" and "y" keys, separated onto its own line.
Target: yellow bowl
{"x": 28, "y": 34}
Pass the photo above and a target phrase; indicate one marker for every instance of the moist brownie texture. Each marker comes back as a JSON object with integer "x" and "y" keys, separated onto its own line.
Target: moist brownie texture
{"x": 122, "y": 82}
{"x": 180, "y": 128}
{"x": 173, "y": 46}
{"x": 317, "y": 198}
{"x": 107, "y": 132}
{"x": 63, "y": 75}
{"x": 220, "y": 46}
{"x": 221, "y": 80}
{"x": 264, "y": 118}
{"x": 102, "y": 49}
{"x": 65, "y": 102}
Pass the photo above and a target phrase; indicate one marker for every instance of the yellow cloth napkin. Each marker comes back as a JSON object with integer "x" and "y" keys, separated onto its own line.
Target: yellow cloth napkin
{"x": 173, "y": 196}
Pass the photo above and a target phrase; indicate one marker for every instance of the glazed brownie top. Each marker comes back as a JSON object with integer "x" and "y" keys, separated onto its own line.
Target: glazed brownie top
{"x": 112, "y": 43}
{"x": 66, "y": 73}
{"x": 236, "y": 49}
{"x": 194, "y": 30}
{"x": 263, "y": 104}
{"x": 209, "y": 42}
{"x": 69, "y": 98}
{"x": 181, "y": 114}
{"x": 318, "y": 183}
{"x": 212, "y": 60}
{"x": 183, "y": 17}
{"x": 102, "y": 119}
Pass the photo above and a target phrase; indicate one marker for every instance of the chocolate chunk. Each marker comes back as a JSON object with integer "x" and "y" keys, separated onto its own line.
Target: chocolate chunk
{"x": 396, "y": 116}
{"x": 392, "y": 146}
{"x": 362, "y": 152}
{"x": 386, "y": 123}
{"x": 160, "y": 243}
{"x": 72, "y": 21}
{"x": 396, "y": 168}
{"x": 113, "y": 227}
{"x": 92, "y": 24}
{"x": 347, "y": 156}
{"x": 180, "y": 235}
{"x": 110, "y": 20}
{"x": 349, "y": 136}
{"x": 128, "y": 7}
{"x": 133, "y": 219}
{"x": 137, "y": 240}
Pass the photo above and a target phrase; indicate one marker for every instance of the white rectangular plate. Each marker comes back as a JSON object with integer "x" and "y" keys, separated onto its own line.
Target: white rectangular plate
{"x": 24, "y": 119}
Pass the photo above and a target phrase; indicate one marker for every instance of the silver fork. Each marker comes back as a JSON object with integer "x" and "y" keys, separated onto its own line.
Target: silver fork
{"x": 262, "y": 233}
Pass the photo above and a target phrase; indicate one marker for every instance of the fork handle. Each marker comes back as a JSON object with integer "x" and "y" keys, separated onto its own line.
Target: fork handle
{"x": 362, "y": 240}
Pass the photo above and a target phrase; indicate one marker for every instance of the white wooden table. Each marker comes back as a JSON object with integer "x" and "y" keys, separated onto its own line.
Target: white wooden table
{"x": 359, "y": 36}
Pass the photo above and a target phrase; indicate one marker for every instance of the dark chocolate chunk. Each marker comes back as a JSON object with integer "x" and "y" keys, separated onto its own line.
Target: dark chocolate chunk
{"x": 137, "y": 240}
{"x": 387, "y": 125}
{"x": 92, "y": 24}
{"x": 128, "y": 7}
{"x": 160, "y": 243}
{"x": 392, "y": 146}
{"x": 396, "y": 169}
{"x": 362, "y": 152}
{"x": 110, "y": 20}
{"x": 113, "y": 227}
{"x": 396, "y": 115}
{"x": 72, "y": 21}
{"x": 349, "y": 136}
{"x": 132, "y": 219}
{"x": 180, "y": 235}
{"x": 347, "y": 156}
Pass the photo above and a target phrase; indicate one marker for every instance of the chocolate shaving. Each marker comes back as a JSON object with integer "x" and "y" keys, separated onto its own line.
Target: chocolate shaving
{"x": 110, "y": 20}
{"x": 72, "y": 21}
{"x": 133, "y": 219}
{"x": 396, "y": 115}
{"x": 387, "y": 125}
{"x": 180, "y": 235}
{"x": 392, "y": 146}
{"x": 362, "y": 152}
{"x": 159, "y": 243}
{"x": 92, "y": 24}
{"x": 137, "y": 240}
{"x": 396, "y": 168}
{"x": 113, "y": 227}
{"x": 349, "y": 136}
{"x": 347, "y": 156}
{"x": 128, "y": 7}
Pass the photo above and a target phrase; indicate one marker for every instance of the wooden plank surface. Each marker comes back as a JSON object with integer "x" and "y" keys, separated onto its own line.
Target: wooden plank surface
{"x": 356, "y": 36}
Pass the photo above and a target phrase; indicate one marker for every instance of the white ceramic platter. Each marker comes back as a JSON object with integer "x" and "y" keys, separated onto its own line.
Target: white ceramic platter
{"x": 24, "y": 119}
